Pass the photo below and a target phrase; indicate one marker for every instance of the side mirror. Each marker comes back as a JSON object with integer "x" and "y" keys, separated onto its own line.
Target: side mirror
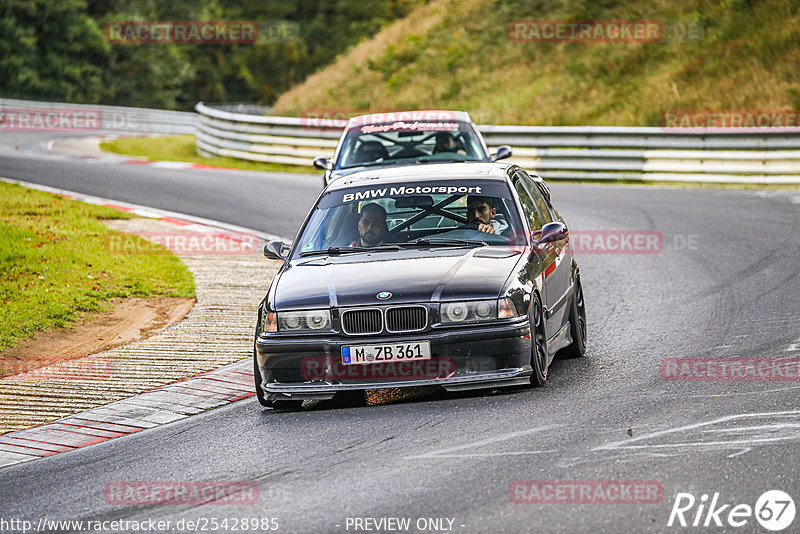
{"x": 321, "y": 163}
{"x": 503, "y": 152}
{"x": 551, "y": 232}
{"x": 274, "y": 250}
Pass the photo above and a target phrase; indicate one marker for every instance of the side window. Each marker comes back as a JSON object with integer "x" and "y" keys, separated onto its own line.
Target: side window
{"x": 541, "y": 203}
{"x": 553, "y": 213}
{"x": 538, "y": 199}
{"x": 545, "y": 191}
{"x": 528, "y": 208}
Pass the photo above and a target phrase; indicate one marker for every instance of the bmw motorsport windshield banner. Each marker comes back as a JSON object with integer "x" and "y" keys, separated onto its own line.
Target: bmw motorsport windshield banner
{"x": 344, "y": 196}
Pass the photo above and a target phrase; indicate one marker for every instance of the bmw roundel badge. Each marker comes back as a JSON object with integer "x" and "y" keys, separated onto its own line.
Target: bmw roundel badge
{"x": 383, "y": 295}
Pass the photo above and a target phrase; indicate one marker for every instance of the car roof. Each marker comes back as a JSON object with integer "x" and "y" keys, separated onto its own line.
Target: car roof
{"x": 416, "y": 115}
{"x": 424, "y": 173}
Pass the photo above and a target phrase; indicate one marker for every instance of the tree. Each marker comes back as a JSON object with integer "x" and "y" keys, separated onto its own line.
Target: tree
{"x": 51, "y": 50}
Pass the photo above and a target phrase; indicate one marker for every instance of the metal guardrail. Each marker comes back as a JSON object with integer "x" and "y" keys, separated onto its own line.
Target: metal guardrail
{"x": 262, "y": 138}
{"x": 112, "y": 118}
{"x": 763, "y": 155}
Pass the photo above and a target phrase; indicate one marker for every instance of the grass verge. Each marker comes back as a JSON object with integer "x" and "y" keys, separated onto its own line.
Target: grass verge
{"x": 182, "y": 148}
{"x": 56, "y": 264}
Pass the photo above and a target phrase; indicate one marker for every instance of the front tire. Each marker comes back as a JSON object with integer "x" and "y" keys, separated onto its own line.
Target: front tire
{"x": 539, "y": 354}
{"x": 577, "y": 324}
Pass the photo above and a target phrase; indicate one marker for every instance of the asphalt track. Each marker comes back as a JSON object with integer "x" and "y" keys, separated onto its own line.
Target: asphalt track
{"x": 725, "y": 285}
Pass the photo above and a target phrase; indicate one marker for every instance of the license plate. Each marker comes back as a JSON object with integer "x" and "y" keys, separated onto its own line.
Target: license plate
{"x": 392, "y": 352}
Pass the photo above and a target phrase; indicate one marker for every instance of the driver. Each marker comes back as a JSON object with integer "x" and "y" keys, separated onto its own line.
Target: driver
{"x": 372, "y": 227}
{"x": 482, "y": 211}
{"x": 445, "y": 142}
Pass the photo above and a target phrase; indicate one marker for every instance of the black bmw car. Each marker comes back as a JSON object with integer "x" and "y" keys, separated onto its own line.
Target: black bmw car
{"x": 453, "y": 275}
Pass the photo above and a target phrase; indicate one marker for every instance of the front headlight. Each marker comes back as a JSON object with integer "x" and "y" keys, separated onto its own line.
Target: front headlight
{"x": 477, "y": 311}
{"x": 455, "y": 312}
{"x": 304, "y": 321}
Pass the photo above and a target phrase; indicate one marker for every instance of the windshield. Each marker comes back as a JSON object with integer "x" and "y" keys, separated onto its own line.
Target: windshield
{"x": 425, "y": 214}
{"x": 404, "y": 142}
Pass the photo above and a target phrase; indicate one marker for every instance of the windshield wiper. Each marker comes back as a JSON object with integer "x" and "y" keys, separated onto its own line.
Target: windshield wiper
{"x": 425, "y": 242}
{"x": 333, "y": 251}
{"x": 384, "y": 162}
{"x": 441, "y": 160}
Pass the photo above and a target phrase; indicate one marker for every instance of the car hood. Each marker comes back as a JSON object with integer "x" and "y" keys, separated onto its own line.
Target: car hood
{"x": 409, "y": 275}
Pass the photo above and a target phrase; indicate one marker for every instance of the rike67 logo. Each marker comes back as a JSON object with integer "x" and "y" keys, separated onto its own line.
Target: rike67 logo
{"x": 774, "y": 510}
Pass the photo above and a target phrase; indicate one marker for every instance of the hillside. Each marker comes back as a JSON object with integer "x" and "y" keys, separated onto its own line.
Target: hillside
{"x": 460, "y": 54}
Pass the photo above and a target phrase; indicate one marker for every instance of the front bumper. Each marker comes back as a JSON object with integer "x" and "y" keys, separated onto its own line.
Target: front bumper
{"x": 463, "y": 358}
